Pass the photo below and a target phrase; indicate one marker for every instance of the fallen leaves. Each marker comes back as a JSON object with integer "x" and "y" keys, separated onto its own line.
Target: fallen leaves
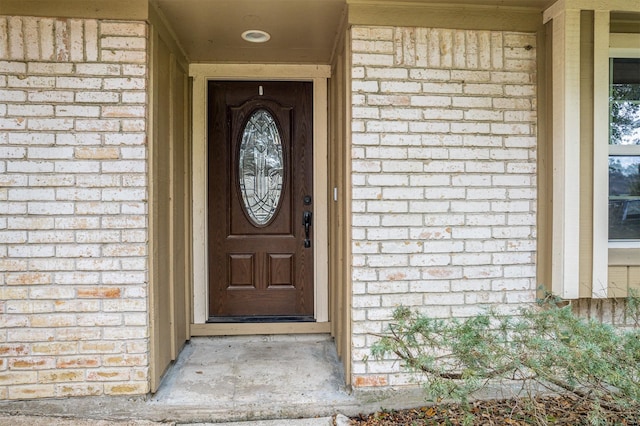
{"x": 546, "y": 410}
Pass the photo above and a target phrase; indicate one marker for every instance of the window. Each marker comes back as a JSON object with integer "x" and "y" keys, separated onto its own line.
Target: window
{"x": 624, "y": 149}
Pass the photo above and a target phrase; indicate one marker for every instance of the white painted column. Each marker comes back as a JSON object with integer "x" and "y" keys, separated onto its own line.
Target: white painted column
{"x": 566, "y": 154}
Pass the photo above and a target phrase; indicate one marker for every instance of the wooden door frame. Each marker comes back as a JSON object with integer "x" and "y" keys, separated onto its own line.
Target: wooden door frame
{"x": 319, "y": 75}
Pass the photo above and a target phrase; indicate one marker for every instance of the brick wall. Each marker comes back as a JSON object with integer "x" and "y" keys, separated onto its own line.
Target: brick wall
{"x": 73, "y": 210}
{"x": 444, "y": 178}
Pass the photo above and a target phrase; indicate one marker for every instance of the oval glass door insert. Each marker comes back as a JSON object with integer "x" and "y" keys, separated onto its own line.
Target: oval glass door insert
{"x": 261, "y": 167}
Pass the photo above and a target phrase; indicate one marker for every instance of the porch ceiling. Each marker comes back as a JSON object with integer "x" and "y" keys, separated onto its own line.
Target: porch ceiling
{"x": 302, "y": 31}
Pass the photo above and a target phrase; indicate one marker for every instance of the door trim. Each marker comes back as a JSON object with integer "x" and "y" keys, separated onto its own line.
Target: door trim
{"x": 201, "y": 73}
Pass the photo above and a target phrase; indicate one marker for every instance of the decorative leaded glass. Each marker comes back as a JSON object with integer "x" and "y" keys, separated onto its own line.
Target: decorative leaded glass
{"x": 261, "y": 167}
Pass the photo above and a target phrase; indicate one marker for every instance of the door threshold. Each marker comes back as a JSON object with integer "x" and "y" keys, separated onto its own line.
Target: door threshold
{"x": 262, "y": 319}
{"x": 238, "y": 329}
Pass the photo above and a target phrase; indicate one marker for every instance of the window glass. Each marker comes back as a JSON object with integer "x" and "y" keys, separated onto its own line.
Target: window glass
{"x": 624, "y": 197}
{"x": 624, "y": 166}
{"x": 625, "y": 102}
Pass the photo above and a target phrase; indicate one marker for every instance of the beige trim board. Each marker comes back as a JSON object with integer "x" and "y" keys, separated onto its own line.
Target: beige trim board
{"x": 135, "y": 10}
{"x": 260, "y": 329}
{"x": 624, "y": 45}
{"x": 618, "y": 281}
{"x": 624, "y": 256}
{"x": 261, "y": 71}
{"x": 320, "y": 186}
{"x": 600, "y": 178}
{"x": 600, "y": 5}
{"x": 554, "y": 11}
{"x": 199, "y": 200}
{"x": 347, "y": 353}
{"x": 464, "y": 17}
{"x": 544, "y": 160}
{"x": 616, "y": 5}
{"x": 318, "y": 74}
{"x": 154, "y": 314}
{"x": 158, "y": 19}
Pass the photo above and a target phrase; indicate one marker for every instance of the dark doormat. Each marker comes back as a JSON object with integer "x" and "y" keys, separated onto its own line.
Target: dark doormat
{"x": 261, "y": 319}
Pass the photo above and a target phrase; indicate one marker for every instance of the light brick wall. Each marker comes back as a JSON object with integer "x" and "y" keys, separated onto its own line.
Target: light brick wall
{"x": 444, "y": 178}
{"x": 73, "y": 209}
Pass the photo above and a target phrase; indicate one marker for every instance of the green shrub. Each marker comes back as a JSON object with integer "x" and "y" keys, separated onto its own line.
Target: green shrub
{"x": 544, "y": 348}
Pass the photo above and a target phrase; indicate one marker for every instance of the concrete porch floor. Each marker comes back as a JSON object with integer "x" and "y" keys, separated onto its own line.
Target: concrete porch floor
{"x": 240, "y": 378}
{"x": 255, "y": 376}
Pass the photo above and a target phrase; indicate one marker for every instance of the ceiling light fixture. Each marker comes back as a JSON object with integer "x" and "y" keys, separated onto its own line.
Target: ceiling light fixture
{"x": 256, "y": 36}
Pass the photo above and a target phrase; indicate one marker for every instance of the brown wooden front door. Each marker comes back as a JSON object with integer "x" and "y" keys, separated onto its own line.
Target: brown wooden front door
{"x": 260, "y": 200}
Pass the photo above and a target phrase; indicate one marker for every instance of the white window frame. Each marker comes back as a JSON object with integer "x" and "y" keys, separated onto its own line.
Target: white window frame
{"x": 624, "y": 46}
{"x": 607, "y": 46}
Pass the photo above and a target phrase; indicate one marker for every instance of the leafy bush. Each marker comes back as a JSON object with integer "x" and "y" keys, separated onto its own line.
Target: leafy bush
{"x": 545, "y": 348}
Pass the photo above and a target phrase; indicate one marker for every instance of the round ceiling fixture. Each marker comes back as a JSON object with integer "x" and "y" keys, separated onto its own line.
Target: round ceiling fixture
{"x": 256, "y": 36}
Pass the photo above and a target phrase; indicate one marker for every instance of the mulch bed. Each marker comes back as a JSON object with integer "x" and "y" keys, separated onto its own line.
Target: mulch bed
{"x": 547, "y": 410}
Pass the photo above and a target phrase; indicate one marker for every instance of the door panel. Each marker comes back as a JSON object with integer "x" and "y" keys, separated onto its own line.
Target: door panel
{"x": 260, "y": 186}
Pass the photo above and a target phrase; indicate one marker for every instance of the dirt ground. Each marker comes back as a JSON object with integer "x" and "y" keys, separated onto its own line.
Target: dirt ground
{"x": 556, "y": 410}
